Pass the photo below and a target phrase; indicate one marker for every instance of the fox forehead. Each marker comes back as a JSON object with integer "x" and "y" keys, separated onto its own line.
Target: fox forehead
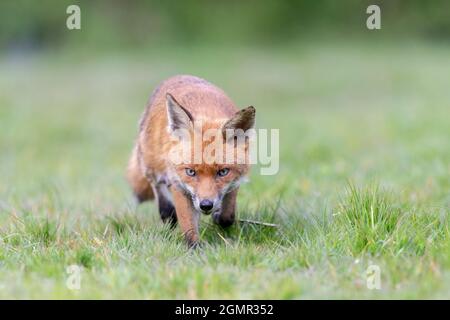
{"x": 207, "y": 147}
{"x": 207, "y": 128}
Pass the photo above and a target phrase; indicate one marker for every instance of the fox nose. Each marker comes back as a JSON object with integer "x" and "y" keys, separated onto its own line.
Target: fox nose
{"x": 206, "y": 205}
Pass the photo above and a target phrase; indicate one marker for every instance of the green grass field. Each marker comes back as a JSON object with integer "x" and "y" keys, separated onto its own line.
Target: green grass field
{"x": 364, "y": 176}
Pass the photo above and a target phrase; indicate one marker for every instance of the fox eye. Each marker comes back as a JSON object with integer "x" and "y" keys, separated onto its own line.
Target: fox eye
{"x": 190, "y": 172}
{"x": 223, "y": 172}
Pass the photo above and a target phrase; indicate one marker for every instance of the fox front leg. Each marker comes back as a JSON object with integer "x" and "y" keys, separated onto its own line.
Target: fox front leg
{"x": 165, "y": 205}
{"x": 186, "y": 215}
{"x": 226, "y": 216}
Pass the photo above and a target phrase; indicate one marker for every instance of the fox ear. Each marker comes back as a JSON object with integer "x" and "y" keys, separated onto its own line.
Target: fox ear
{"x": 178, "y": 117}
{"x": 243, "y": 119}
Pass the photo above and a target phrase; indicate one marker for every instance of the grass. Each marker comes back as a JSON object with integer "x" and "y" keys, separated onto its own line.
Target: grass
{"x": 364, "y": 176}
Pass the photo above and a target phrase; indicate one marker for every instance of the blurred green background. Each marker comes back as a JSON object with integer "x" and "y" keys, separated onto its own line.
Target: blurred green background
{"x": 27, "y": 24}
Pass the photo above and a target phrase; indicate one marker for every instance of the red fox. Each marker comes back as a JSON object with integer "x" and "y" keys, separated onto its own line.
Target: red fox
{"x": 184, "y": 190}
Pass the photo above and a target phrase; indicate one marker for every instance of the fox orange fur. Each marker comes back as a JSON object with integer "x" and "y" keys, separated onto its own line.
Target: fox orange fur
{"x": 184, "y": 190}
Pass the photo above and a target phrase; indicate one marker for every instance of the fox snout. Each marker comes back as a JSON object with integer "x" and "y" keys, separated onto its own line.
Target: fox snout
{"x": 207, "y": 205}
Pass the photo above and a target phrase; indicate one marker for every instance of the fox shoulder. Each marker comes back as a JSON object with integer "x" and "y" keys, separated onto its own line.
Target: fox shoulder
{"x": 136, "y": 178}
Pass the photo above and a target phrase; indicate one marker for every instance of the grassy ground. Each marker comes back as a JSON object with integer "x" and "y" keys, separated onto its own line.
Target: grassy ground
{"x": 364, "y": 176}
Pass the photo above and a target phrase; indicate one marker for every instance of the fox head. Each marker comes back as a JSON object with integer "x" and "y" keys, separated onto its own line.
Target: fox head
{"x": 214, "y": 154}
